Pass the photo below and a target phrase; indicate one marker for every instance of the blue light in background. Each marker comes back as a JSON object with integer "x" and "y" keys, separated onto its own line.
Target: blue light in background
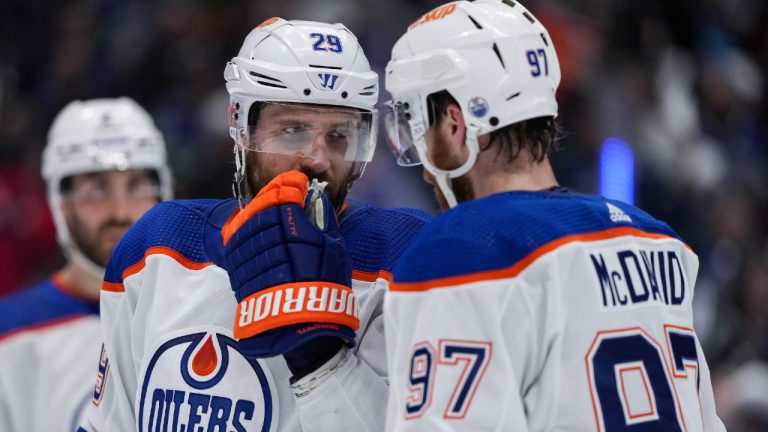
{"x": 617, "y": 170}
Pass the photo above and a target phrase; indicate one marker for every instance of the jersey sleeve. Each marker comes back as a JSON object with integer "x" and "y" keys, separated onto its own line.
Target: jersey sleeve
{"x": 111, "y": 407}
{"x": 125, "y": 326}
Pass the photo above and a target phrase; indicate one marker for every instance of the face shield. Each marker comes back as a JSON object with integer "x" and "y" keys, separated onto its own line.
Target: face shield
{"x": 307, "y": 131}
{"x": 405, "y": 125}
{"x": 406, "y": 122}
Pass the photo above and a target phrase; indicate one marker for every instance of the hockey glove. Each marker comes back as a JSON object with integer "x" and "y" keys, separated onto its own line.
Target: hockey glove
{"x": 289, "y": 269}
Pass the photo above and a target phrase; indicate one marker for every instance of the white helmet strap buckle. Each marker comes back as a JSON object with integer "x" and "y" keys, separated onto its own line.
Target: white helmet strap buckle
{"x": 442, "y": 176}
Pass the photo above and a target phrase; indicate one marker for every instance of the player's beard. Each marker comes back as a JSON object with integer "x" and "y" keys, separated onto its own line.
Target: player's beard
{"x": 462, "y": 186}
{"x": 259, "y": 176}
{"x": 93, "y": 244}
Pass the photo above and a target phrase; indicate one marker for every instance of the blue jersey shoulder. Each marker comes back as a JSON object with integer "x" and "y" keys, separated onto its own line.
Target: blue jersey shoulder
{"x": 178, "y": 225}
{"x": 498, "y": 231}
{"x": 377, "y": 237}
{"x": 38, "y": 305}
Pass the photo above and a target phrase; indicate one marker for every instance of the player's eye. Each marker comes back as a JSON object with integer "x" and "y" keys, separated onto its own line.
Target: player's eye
{"x": 90, "y": 192}
{"x": 340, "y": 133}
{"x": 338, "y": 140}
{"x": 144, "y": 188}
{"x": 294, "y": 129}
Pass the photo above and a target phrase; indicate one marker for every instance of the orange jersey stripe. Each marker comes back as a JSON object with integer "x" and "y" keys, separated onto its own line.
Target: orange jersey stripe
{"x": 519, "y": 266}
{"x": 162, "y": 250}
{"x": 67, "y": 289}
{"x": 112, "y": 287}
{"x": 371, "y": 276}
{"x": 156, "y": 250}
{"x": 119, "y": 287}
{"x": 288, "y": 188}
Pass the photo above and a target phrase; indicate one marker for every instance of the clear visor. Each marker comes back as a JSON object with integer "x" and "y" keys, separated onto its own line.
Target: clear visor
{"x": 313, "y": 131}
{"x": 399, "y": 136}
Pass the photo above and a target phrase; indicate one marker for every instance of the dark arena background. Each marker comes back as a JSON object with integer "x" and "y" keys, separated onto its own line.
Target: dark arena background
{"x": 663, "y": 104}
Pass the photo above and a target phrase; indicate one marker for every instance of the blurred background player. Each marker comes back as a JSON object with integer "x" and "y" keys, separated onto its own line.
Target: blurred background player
{"x": 105, "y": 166}
{"x": 523, "y": 306}
{"x": 300, "y": 345}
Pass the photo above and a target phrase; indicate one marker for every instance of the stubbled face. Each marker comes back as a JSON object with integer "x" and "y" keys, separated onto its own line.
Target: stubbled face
{"x": 100, "y": 207}
{"x": 444, "y": 156}
{"x": 304, "y": 138}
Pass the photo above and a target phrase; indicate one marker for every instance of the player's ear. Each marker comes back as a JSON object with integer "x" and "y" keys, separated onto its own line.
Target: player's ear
{"x": 454, "y": 122}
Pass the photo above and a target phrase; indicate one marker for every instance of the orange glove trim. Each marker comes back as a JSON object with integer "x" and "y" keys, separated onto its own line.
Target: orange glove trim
{"x": 288, "y": 188}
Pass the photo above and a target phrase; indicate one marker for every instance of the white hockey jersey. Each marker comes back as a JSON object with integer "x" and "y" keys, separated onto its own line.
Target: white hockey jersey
{"x": 546, "y": 311}
{"x": 49, "y": 339}
{"x": 171, "y": 363}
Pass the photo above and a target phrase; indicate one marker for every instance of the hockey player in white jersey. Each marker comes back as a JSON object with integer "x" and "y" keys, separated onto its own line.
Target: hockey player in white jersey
{"x": 262, "y": 313}
{"x": 105, "y": 166}
{"x": 525, "y": 307}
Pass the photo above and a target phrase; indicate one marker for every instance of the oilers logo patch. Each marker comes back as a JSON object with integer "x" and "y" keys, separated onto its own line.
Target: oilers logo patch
{"x": 200, "y": 382}
{"x": 478, "y": 107}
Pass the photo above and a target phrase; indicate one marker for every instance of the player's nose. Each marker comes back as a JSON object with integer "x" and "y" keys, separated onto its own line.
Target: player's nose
{"x": 120, "y": 205}
{"x": 318, "y": 161}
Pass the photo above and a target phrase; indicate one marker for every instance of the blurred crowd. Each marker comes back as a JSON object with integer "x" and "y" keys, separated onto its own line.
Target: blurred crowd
{"x": 683, "y": 82}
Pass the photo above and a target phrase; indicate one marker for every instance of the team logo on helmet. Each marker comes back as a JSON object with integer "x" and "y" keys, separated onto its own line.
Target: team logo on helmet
{"x": 201, "y": 382}
{"x": 478, "y": 106}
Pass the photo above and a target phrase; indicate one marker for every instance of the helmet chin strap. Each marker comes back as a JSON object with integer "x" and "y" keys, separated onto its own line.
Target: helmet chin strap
{"x": 443, "y": 177}
{"x": 89, "y": 266}
{"x": 68, "y": 246}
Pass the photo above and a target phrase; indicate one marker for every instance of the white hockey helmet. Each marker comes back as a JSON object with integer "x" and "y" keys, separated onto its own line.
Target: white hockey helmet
{"x": 493, "y": 56}
{"x": 100, "y": 135}
{"x": 301, "y": 62}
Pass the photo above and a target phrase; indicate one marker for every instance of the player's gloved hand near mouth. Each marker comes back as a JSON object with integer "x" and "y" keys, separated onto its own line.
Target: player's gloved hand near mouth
{"x": 291, "y": 274}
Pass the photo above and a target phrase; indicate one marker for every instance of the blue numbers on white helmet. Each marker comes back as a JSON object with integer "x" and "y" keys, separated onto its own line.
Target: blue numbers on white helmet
{"x": 533, "y": 60}
{"x": 326, "y": 42}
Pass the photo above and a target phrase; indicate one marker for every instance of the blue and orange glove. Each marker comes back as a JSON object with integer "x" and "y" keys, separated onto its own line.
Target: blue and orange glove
{"x": 290, "y": 277}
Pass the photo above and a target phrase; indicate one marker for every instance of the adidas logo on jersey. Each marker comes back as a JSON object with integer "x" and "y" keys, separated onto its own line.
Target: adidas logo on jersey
{"x": 617, "y": 214}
